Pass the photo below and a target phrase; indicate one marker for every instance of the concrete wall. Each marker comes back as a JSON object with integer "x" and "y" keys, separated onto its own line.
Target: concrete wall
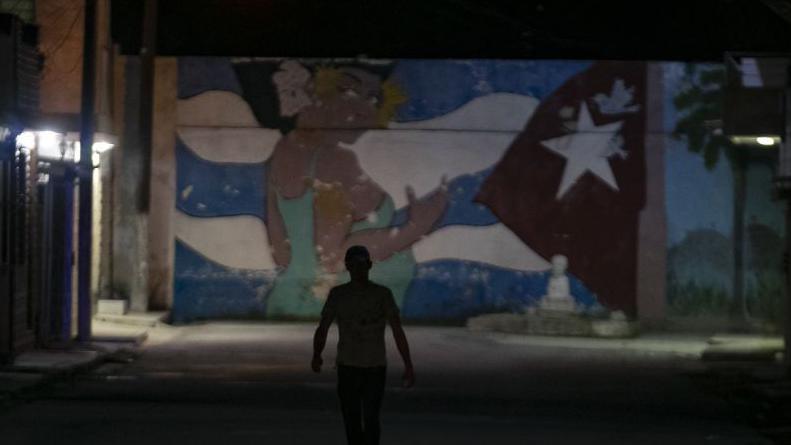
{"x": 60, "y": 40}
{"x": 652, "y": 259}
{"x": 130, "y": 225}
{"x": 163, "y": 184}
{"x": 61, "y": 34}
{"x": 143, "y": 239}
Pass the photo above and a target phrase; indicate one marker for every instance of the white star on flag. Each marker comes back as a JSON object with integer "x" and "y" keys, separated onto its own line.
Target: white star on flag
{"x": 586, "y": 150}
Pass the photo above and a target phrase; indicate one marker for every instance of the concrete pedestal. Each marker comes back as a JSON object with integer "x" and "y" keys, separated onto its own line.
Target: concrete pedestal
{"x": 558, "y": 323}
{"x": 554, "y": 323}
{"x": 112, "y": 307}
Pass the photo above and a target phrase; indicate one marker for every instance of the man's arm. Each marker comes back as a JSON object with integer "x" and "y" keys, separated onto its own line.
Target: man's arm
{"x": 319, "y": 340}
{"x": 320, "y": 337}
{"x": 403, "y": 349}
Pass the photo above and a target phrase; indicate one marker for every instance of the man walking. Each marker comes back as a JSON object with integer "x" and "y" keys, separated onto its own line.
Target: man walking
{"x": 362, "y": 309}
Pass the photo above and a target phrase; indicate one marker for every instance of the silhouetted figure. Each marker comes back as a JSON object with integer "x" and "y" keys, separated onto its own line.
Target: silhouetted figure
{"x": 362, "y": 309}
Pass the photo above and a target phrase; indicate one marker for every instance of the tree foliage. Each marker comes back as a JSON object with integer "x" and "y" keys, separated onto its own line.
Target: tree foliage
{"x": 700, "y": 103}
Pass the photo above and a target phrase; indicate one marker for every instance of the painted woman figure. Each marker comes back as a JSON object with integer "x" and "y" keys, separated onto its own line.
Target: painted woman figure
{"x": 320, "y": 201}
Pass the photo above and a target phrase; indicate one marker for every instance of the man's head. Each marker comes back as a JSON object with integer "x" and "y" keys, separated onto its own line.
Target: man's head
{"x": 358, "y": 262}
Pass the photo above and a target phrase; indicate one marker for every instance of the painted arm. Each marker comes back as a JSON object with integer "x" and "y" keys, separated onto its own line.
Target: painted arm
{"x": 276, "y": 229}
{"x": 423, "y": 214}
{"x": 403, "y": 349}
{"x": 365, "y": 196}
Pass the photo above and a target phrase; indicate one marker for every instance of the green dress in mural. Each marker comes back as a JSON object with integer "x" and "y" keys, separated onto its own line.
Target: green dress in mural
{"x": 296, "y": 292}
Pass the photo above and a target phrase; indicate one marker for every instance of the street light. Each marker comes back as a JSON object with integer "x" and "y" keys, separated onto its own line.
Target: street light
{"x": 765, "y": 141}
{"x": 102, "y": 146}
{"x": 51, "y": 145}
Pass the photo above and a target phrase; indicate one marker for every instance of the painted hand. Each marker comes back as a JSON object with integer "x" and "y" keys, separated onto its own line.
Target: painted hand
{"x": 316, "y": 364}
{"x": 425, "y": 212}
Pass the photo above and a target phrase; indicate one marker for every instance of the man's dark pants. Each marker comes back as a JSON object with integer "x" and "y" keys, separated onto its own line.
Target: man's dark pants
{"x": 361, "y": 391}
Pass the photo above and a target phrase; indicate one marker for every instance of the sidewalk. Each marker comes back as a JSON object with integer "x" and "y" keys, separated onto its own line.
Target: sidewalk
{"x": 563, "y": 332}
{"x": 34, "y": 369}
{"x": 697, "y": 346}
{"x": 746, "y": 370}
{"x": 112, "y": 340}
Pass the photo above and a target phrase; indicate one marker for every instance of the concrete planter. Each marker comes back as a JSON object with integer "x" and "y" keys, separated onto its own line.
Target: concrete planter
{"x": 554, "y": 324}
{"x": 112, "y": 307}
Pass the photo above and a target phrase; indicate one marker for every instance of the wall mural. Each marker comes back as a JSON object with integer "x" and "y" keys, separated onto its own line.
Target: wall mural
{"x": 464, "y": 179}
{"x": 703, "y": 176}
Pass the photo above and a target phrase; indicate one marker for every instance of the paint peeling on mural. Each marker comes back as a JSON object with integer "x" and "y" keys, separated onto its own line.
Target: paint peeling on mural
{"x": 462, "y": 177}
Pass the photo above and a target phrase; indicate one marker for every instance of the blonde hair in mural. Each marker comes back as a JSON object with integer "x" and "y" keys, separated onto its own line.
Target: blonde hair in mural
{"x": 392, "y": 97}
{"x": 325, "y": 86}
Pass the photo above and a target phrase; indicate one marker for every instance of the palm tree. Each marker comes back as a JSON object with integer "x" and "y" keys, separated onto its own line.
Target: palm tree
{"x": 701, "y": 101}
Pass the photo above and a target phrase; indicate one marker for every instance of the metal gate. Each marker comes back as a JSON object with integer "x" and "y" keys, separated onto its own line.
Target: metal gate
{"x": 56, "y": 223}
{"x": 16, "y": 297}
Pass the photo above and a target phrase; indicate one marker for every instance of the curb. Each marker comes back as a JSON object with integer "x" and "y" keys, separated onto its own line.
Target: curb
{"x": 51, "y": 376}
{"x": 747, "y": 354}
{"x": 150, "y": 320}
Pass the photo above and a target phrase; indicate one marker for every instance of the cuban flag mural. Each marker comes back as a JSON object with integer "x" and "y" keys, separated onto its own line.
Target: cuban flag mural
{"x": 463, "y": 178}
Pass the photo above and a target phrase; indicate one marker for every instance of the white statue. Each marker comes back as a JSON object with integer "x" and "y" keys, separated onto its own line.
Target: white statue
{"x": 558, "y": 297}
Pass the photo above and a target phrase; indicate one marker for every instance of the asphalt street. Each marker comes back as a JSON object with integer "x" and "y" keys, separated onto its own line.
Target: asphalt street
{"x": 240, "y": 383}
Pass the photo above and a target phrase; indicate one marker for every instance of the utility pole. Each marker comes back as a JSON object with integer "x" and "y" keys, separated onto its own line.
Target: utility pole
{"x": 148, "y": 53}
{"x": 784, "y": 161}
{"x": 85, "y": 169}
{"x": 783, "y": 9}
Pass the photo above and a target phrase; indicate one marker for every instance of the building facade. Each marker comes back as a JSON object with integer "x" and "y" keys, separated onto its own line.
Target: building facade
{"x": 40, "y": 84}
{"x": 19, "y": 85}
